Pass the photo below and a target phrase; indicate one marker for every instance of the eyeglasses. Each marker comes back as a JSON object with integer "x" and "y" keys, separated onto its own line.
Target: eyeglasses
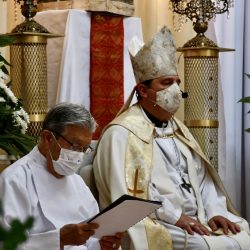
{"x": 73, "y": 146}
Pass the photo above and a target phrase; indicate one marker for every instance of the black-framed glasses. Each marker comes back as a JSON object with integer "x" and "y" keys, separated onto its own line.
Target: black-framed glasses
{"x": 73, "y": 146}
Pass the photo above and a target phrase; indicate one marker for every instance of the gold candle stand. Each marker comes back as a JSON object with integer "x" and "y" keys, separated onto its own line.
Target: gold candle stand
{"x": 29, "y": 76}
{"x": 201, "y": 106}
{"x": 201, "y": 72}
{"x": 28, "y": 58}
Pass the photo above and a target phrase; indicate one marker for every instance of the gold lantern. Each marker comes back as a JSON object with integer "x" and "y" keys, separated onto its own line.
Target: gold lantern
{"x": 29, "y": 66}
{"x": 201, "y": 73}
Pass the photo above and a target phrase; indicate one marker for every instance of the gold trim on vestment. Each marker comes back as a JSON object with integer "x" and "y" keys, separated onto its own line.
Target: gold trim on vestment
{"x": 138, "y": 167}
{"x": 138, "y": 159}
{"x": 157, "y": 235}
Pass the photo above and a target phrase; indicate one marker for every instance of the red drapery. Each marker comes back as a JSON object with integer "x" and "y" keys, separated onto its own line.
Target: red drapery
{"x": 106, "y": 68}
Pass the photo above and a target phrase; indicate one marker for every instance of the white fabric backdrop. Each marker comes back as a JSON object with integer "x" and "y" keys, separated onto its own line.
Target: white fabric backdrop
{"x": 234, "y": 142}
{"x": 69, "y": 56}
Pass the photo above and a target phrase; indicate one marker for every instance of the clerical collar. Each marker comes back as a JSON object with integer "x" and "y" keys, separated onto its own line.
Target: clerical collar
{"x": 157, "y": 123}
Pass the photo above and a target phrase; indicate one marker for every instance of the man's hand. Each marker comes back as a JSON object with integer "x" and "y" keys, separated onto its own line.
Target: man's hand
{"x": 191, "y": 225}
{"x": 111, "y": 242}
{"x": 76, "y": 234}
{"x": 221, "y": 222}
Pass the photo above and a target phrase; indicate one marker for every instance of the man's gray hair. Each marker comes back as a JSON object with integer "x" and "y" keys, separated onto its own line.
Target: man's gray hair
{"x": 64, "y": 114}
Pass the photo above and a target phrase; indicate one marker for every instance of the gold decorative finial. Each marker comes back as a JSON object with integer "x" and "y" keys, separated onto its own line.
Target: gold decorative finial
{"x": 29, "y": 10}
{"x": 200, "y": 12}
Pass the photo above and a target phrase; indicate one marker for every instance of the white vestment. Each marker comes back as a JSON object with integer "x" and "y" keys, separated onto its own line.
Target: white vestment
{"x": 174, "y": 154}
{"x": 28, "y": 189}
{"x": 172, "y": 160}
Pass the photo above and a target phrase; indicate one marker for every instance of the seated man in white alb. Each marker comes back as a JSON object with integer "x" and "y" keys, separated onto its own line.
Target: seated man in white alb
{"x": 148, "y": 153}
{"x": 43, "y": 184}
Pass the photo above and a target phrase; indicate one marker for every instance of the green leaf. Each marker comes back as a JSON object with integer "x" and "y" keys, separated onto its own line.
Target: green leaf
{"x": 2, "y": 234}
{"x": 2, "y": 59}
{"x": 11, "y": 238}
{"x": 245, "y": 99}
{"x": 1, "y": 209}
{"x": 29, "y": 222}
{"x": 248, "y": 75}
{"x": 17, "y": 144}
{"x": 5, "y": 70}
{"x": 17, "y": 233}
{"x": 9, "y": 148}
{"x": 247, "y": 130}
{"x": 6, "y": 40}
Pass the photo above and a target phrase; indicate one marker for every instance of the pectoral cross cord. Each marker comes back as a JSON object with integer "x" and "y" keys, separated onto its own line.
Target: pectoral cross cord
{"x": 186, "y": 185}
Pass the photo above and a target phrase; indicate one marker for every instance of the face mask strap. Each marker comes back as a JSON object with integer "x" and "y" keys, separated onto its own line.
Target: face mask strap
{"x": 55, "y": 139}
{"x": 56, "y": 143}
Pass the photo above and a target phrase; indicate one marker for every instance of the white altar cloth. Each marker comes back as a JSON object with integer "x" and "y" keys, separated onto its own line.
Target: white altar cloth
{"x": 69, "y": 56}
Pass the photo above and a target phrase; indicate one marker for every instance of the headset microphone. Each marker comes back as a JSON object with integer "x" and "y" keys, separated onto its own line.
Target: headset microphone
{"x": 184, "y": 94}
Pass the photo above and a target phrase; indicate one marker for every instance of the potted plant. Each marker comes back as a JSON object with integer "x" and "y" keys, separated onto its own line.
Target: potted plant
{"x": 15, "y": 235}
{"x": 13, "y": 118}
{"x": 246, "y": 100}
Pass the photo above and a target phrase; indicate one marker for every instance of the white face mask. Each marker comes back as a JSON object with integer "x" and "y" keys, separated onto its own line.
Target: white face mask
{"x": 69, "y": 162}
{"x": 170, "y": 98}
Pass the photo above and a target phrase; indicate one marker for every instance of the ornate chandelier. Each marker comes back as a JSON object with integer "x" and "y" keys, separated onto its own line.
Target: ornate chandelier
{"x": 200, "y": 12}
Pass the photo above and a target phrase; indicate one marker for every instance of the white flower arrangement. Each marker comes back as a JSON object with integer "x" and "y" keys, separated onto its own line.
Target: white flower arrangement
{"x": 14, "y": 119}
{"x": 12, "y": 105}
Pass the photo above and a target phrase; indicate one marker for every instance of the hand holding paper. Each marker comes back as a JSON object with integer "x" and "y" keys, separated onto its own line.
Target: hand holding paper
{"x": 122, "y": 214}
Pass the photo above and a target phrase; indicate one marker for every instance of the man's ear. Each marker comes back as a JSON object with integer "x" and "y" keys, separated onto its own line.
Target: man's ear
{"x": 142, "y": 90}
{"x": 46, "y": 136}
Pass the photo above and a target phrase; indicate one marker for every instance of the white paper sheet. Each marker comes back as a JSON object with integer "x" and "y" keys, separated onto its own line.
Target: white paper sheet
{"x": 122, "y": 214}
